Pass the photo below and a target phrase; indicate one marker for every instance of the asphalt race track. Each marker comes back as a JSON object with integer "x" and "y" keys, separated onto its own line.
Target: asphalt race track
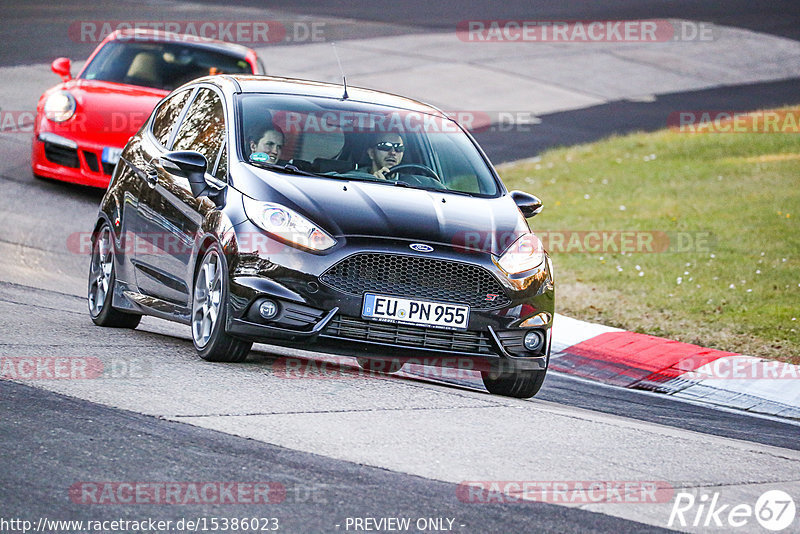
{"x": 337, "y": 445}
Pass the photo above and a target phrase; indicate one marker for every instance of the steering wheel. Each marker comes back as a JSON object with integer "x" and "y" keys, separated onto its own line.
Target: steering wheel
{"x": 427, "y": 171}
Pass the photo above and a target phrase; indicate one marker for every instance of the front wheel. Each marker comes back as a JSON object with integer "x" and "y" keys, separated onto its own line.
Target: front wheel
{"x": 522, "y": 384}
{"x": 102, "y": 278}
{"x": 209, "y": 311}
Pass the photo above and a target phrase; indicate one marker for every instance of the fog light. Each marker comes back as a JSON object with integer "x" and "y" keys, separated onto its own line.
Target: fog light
{"x": 268, "y": 309}
{"x": 534, "y": 340}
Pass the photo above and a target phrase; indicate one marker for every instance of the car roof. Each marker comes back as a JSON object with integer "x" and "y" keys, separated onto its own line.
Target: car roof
{"x": 158, "y": 36}
{"x": 250, "y": 83}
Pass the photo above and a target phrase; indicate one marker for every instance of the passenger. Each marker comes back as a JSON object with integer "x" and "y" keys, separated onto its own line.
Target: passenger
{"x": 385, "y": 152}
{"x": 270, "y": 142}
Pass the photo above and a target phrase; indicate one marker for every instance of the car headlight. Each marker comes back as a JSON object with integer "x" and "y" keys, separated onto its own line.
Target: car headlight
{"x": 287, "y": 225}
{"x": 524, "y": 254}
{"x": 59, "y": 106}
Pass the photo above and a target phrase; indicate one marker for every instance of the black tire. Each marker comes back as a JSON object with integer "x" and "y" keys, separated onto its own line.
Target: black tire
{"x": 210, "y": 340}
{"x": 520, "y": 384}
{"x": 380, "y": 366}
{"x": 102, "y": 279}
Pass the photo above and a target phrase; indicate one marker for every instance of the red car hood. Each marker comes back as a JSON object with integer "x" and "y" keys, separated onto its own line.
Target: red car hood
{"x": 109, "y": 113}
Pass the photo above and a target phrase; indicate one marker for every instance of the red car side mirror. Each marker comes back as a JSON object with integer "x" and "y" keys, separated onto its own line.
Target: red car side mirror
{"x": 62, "y": 67}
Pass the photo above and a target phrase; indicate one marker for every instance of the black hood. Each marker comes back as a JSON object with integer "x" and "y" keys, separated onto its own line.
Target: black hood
{"x": 356, "y": 208}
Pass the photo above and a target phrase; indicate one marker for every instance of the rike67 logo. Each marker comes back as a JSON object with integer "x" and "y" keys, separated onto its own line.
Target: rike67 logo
{"x": 774, "y": 510}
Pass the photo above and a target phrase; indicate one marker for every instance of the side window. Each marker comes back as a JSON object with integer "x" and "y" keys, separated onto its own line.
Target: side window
{"x": 203, "y": 128}
{"x": 165, "y": 119}
{"x": 222, "y": 166}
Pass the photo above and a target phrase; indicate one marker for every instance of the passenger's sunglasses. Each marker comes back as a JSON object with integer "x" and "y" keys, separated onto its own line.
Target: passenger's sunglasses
{"x": 386, "y": 146}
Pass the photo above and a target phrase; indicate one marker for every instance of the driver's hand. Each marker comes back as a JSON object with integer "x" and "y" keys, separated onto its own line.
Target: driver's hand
{"x": 382, "y": 173}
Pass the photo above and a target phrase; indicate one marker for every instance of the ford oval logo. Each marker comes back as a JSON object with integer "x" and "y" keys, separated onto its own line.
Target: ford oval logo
{"x": 419, "y": 247}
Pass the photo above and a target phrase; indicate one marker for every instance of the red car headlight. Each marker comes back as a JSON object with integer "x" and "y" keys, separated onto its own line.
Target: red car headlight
{"x": 59, "y": 106}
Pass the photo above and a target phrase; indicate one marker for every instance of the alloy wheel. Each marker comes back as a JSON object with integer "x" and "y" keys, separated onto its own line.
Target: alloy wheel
{"x": 100, "y": 271}
{"x": 207, "y": 298}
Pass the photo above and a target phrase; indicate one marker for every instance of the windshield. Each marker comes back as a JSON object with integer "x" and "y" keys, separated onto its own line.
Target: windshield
{"x": 350, "y": 140}
{"x": 159, "y": 65}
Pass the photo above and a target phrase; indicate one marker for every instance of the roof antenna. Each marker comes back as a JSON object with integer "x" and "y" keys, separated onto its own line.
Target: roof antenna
{"x": 344, "y": 78}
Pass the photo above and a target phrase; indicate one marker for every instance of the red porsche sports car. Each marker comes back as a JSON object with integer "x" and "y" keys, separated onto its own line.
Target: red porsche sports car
{"x": 83, "y": 122}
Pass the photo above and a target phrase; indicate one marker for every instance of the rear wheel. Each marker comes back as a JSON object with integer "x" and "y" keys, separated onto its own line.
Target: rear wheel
{"x": 380, "y": 366}
{"x": 209, "y": 312}
{"x": 102, "y": 278}
{"x": 522, "y": 384}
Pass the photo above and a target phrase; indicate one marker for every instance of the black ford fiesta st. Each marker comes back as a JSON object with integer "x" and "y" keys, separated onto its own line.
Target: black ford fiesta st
{"x": 313, "y": 215}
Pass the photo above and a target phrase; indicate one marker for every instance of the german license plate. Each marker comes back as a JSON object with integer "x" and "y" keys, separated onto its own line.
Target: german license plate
{"x": 111, "y": 155}
{"x": 399, "y": 310}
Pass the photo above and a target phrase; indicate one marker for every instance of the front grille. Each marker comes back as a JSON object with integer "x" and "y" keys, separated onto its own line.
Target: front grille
{"x": 416, "y": 277}
{"x": 96, "y": 165}
{"x": 91, "y": 160}
{"x": 409, "y": 336}
{"x": 60, "y": 155}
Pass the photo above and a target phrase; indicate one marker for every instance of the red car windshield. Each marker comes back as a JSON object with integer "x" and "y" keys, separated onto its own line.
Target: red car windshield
{"x": 159, "y": 65}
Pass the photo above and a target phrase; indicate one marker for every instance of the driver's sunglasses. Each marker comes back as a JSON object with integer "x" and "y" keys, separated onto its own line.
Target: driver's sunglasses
{"x": 386, "y": 146}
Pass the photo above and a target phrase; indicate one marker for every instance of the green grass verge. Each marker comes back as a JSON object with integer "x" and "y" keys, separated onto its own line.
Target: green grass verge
{"x": 738, "y": 290}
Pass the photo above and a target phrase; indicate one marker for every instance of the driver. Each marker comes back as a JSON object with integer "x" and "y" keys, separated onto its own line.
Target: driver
{"x": 270, "y": 142}
{"x": 385, "y": 152}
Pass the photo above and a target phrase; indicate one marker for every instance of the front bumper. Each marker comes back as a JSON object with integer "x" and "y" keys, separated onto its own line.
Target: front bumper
{"x": 313, "y": 315}
{"x": 348, "y": 336}
{"x": 61, "y": 158}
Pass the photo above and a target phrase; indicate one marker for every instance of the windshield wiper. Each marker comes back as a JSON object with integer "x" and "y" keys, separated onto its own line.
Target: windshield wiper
{"x": 288, "y": 168}
{"x": 449, "y": 191}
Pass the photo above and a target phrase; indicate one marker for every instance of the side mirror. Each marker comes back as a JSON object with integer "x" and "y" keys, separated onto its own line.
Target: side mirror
{"x": 192, "y": 165}
{"x": 62, "y": 66}
{"x": 528, "y": 204}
